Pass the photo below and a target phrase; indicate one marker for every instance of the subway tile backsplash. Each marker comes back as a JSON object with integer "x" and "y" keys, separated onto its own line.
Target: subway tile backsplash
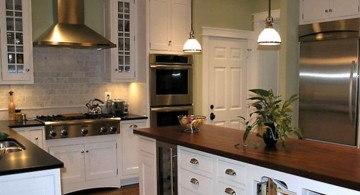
{"x": 64, "y": 80}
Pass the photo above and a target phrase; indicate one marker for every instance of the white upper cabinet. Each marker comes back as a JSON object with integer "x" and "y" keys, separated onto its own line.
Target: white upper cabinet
{"x": 16, "y": 42}
{"x": 169, "y": 26}
{"x": 312, "y": 11}
{"x": 120, "y": 29}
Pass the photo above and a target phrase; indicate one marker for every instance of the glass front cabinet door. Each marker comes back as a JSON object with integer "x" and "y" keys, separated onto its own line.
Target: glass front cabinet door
{"x": 16, "y": 42}
{"x": 120, "y": 18}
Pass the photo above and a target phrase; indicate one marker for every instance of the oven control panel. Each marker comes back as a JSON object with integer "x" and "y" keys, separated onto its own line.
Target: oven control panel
{"x": 81, "y": 128}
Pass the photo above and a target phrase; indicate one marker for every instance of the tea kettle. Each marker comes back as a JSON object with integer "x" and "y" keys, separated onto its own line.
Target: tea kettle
{"x": 93, "y": 107}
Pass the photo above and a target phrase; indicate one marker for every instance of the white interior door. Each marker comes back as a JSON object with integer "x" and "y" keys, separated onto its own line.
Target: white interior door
{"x": 227, "y": 87}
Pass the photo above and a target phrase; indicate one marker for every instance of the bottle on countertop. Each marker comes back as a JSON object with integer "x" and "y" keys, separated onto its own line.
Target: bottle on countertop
{"x": 11, "y": 106}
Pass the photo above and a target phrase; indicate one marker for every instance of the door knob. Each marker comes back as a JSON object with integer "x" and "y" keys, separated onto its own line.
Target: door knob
{"x": 212, "y": 116}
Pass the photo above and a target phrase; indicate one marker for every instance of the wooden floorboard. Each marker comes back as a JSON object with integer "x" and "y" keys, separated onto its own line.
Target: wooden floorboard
{"x": 125, "y": 190}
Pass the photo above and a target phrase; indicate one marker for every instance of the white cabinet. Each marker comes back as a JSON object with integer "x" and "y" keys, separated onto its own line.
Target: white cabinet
{"x": 169, "y": 26}
{"x": 120, "y": 24}
{"x": 129, "y": 148}
{"x": 45, "y": 182}
{"x": 147, "y": 166}
{"x": 326, "y": 10}
{"x": 34, "y": 134}
{"x": 16, "y": 42}
{"x": 88, "y": 162}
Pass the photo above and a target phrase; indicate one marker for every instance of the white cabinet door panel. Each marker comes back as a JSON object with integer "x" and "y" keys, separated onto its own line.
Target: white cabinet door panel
{"x": 180, "y": 23}
{"x": 341, "y": 8}
{"x": 159, "y": 24}
{"x": 100, "y": 160}
{"x": 73, "y": 158}
{"x": 148, "y": 177}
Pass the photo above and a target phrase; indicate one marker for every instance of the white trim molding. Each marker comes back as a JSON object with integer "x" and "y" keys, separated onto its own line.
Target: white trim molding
{"x": 227, "y": 33}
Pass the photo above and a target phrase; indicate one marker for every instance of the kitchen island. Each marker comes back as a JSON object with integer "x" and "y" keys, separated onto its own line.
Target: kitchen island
{"x": 31, "y": 171}
{"x": 306, "y": 166}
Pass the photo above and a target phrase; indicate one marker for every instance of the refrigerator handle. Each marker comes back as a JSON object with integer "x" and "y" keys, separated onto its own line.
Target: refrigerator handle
{"x": 351, "y": 88}
{"x": 356, "y": 89}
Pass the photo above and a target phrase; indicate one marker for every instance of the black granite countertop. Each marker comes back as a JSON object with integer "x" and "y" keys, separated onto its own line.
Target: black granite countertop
{"x": 133, "y": 117}
{"x": 33, "y": 158}
{"x": 27, "y": 123}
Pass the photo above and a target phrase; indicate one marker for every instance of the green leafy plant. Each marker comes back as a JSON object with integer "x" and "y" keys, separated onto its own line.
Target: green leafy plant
{"x": 270, "y": 109}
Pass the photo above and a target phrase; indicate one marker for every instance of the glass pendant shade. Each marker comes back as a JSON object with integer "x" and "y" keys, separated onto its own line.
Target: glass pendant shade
{"x": 192, "y": 45}
{"x": 269, "y": 36}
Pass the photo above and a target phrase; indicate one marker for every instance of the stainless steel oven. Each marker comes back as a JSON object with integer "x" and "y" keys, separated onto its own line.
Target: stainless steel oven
{"x": 167, "y": 116}
{"x": 171, "y": 80}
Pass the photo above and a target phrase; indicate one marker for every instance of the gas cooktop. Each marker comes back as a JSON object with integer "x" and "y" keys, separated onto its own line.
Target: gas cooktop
{"x": 67, "y": 117}
{"x": 79, "y": 125}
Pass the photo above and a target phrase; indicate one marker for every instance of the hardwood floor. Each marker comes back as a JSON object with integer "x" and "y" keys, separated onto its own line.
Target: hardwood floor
{"x": 125, "y": 190}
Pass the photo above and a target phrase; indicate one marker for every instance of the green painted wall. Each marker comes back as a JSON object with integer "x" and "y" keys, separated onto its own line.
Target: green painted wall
{"x": 263, "y": 5}
{"x": 235, "y": 14}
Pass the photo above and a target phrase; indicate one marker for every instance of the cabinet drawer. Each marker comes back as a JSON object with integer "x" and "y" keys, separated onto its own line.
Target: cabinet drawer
{"x": 224, "y": 188}
{"x": 198, "y": 184}
{"x": 196, "y": 161}
{"x": 232, "y": 172}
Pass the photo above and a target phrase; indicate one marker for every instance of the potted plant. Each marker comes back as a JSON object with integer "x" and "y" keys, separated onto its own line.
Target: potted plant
{"x": 270, "y": 117}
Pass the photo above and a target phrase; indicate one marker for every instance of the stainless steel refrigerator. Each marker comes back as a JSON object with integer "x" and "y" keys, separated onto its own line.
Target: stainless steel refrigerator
{"x": 328, "y": 81}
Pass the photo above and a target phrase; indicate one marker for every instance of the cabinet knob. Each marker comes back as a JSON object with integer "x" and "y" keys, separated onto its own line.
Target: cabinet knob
{"x": 194, "y": 181}
{"x": 27, "y": 70}
{"x": 169, "y": 43}
{"x": 230, "y": 191}
{"x": 230, "y": 172}
{"x": 194, "y": 161}
{"x": 82, "y": 152}
{"x": 326, "y": 11}
{"x": 87, "y": 151}
{"x": 36, "y": 138}
{"x": 330, "y": 10}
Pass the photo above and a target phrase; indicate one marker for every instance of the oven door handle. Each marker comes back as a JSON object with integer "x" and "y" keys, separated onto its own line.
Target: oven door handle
{"x": 170, "y": 108}
{"x": 171, "y": 66}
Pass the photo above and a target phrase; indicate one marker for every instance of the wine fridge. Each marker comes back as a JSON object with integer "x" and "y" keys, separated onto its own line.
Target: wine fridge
{"x": 166, "y": 168}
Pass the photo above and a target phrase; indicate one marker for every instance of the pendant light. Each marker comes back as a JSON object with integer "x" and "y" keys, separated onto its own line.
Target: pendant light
{"x": 269, "y": 36}
{"x": 192, "y": 45}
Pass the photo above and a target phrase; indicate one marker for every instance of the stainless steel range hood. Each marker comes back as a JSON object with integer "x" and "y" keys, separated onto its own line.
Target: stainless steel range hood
{"x": 70, "y": 29}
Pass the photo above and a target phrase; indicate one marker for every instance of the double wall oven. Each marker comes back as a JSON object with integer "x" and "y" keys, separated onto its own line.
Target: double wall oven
{"x": 171, "y": 88}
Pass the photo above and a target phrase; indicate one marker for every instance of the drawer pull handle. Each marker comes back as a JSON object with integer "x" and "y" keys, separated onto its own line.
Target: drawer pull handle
{"x": 194, "y": 181}
{"x": 194, "y": 161}
{"x": 230, "y": 172}
{"x": 230, "y": 191}
{"x": 133, "y": 126}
